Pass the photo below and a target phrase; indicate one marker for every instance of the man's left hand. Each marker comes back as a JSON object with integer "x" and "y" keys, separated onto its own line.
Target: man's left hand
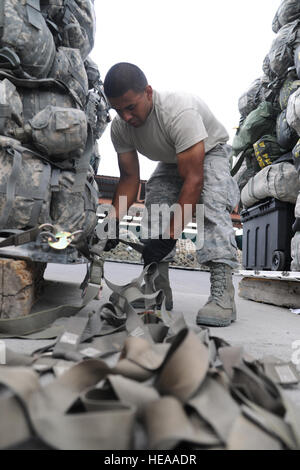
{"x": 157, "y": 249}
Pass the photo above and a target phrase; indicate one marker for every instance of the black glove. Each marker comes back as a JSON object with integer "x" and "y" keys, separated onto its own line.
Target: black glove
{"x": 157, "y": 249}
{"x": 111, "y": 242}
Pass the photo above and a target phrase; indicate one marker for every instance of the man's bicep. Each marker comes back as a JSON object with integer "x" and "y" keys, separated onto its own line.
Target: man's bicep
{"x": 129, "y": 164}
{"x": 120, "y": 138}
{"x": 190, "y": 162}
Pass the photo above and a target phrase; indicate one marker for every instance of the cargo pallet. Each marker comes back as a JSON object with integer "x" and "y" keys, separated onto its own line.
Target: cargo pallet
{"x": 272, "y": 287}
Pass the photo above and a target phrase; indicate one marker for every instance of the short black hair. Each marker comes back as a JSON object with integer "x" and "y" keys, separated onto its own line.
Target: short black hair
{"x": 123, "y": 77}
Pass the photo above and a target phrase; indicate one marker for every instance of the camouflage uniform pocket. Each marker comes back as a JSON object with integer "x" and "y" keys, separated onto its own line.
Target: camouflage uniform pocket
{"x": 59, "y": 131}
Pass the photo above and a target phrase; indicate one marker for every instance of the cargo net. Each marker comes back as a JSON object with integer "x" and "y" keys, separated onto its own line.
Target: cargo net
{"x": 185, "y": 257}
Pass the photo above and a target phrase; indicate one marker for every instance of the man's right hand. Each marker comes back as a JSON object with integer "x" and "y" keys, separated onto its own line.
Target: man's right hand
{"x": 111, "y": 242}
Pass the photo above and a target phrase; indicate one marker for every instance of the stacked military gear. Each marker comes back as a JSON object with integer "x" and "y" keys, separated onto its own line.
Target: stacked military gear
{"x": 270, "y": 122}
{"x": 52, "y": 111}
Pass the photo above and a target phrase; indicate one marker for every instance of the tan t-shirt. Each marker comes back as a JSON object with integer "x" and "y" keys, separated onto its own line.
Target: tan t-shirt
{"x": 176, "y": 122}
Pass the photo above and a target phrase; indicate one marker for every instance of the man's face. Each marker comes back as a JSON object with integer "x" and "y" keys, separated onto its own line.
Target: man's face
{"x": 132, "y": 107}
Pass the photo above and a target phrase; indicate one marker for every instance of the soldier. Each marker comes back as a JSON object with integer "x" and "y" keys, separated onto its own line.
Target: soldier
{"x": 180, "y": 132}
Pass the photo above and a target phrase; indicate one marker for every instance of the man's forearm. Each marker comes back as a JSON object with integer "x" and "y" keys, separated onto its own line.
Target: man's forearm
{"x": 187, "y": 201}
{"x": 127, "y": 187}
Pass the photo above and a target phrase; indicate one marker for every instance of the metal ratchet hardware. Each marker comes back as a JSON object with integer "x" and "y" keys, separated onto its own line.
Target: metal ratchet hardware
{"x": 62, "y": 239}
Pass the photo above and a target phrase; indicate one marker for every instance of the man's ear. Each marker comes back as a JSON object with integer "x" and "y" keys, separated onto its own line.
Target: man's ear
{"x": 149, "y": 92}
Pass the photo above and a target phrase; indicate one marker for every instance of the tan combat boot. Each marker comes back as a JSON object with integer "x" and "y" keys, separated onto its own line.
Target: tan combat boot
{"x": 220, "y": 309}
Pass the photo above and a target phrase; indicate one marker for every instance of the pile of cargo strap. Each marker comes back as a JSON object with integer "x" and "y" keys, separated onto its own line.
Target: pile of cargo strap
{"x": 267, "y": 141}
{"x": 112, "y": 377}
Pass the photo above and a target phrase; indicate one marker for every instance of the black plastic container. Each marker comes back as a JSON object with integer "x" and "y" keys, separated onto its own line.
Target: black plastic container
{"x": 267, "y": 234}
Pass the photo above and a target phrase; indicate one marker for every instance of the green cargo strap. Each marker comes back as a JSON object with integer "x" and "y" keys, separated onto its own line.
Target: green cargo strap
{"x": 245, "y": 435}
{"x": 186, "y": 415}
{"x": 216, "y": 406}
{"x": 102, "y": 346}
{"x": 13, "y": 61}
{"x": 270, "y": 422}
{"x": 77, "y": 330}
{"x": 240, "y": 159}
{"x": 40, "y": 83}
{"x": 93, "y": 192}
{"x": 40, "y": 198}
{"x": 73, "y": 72}
{"x": 178, "y": 363}
{"x": 1, "y": 18}
{"x": 67, "y": 13}
{"x": 95, "y": 430}
{"x": 55, "y": 180}
{"x": 123, "y": 389}
{"x": 48, "y": 309}
{"x": 5, "y": 113}
{"x": 68, "y": 342}
{"x": 205, "y": 386}
{"x": 11, "y": 185}
{"x": 169, "y": 426}
{"x": 19, "y": 237}
{"x": 82, "y": 166}
{"x": 96, "y": 270}
{"x": 71, "y": 8}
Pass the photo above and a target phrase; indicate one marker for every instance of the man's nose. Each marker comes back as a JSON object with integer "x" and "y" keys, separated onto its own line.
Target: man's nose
{"x": 126, "y": 115}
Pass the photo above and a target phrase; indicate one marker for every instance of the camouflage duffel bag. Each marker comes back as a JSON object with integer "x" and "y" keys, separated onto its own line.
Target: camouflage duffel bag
{"x": 68, "y": 67}
{"x": 257, "y": 93}
{"x": 72, "y": 211}
{"x": 97, "y": 106}
{"x": 296, "y": 155}
{"x": 293, "y": 111}
{"x": 36, "y": 99}
{"x": 259, "y": 122}
{"x": 76, "y": 23}
{"x": 248, "y": 169}
{"x": 290, "y": 85}
{"x": 36, "y": 94}
{"x": 267, "y": 68}
{"x": 281, "y": 54}
{"x": 286, "y": 136}
{"x": 93, "y": 74}
{"x": 288, "y": 11}
{"x": 295, "y": 252}
{"x": 11, "y": 108}
{"x": 279, "y": 180}
{"x": 25, "y": 187}
{"x": 26, "y": 42}
{"x": 267, "y": 150}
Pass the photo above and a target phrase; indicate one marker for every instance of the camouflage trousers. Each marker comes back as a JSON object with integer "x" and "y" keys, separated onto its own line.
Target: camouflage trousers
{"x": 219, "y": 197}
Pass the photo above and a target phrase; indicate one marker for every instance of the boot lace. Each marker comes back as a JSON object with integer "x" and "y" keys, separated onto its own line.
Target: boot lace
{"x": 218, "y": 280}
